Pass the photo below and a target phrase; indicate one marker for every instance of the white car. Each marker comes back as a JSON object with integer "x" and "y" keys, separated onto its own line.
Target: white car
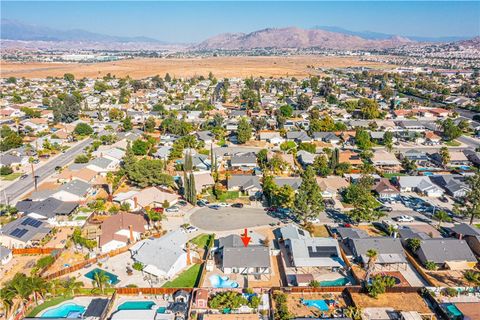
{"x": 191, "y": 229}
{"x": 313, "y": 220}
{"x": 405, "y": 218}
{"x": 223, "y": 204}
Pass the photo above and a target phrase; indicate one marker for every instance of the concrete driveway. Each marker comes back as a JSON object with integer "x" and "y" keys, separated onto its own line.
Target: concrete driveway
{"x": 230, "y": 218}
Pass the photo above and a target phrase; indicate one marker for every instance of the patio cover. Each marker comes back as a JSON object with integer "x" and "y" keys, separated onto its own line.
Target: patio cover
{"x": 457, "y": 265}
{"x": 151, "y": 269}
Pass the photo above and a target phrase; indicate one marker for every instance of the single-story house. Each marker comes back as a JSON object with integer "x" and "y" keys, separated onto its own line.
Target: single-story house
{"x": 23, "y": 232}
{"x": 245, "y": 183}
{"x": 331, "y": 186}
{"x": 5, "y": 255}
{"x": 391, "y": 255}
{"x": 452, "y": 254}
{"x": 385, "y": 189}
{"x": 121, "y": 229}
{"x": 151, "y": 197}
{"x": 470, "y": 234}
{"x": 47, "y": 209}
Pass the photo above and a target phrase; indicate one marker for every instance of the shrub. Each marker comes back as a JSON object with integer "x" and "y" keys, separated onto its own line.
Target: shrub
{"x": 82, "y": 158}
{"x": 137, "y": 266}
{"x": 430, "y": 265}
{"x": 5, "y": 170}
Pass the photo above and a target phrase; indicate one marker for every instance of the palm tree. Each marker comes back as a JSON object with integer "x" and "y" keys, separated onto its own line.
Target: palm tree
{"x": 441, "y": 216}
{"x": 7, "y": 296}
{"x": 372, "y": 258}
{"x": 72, "y": 285}
{"x": 38, "y": 286}
{"x": 100, "y": 279}
{"x": 353, "y": 312}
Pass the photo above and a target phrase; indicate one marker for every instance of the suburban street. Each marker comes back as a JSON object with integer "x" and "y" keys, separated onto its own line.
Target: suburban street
{"x": 15, "y": 190}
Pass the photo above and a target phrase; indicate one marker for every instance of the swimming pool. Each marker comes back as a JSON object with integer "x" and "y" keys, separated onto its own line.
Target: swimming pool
{"x": 136, "y": 305}
{"x": 452, "y": 311}
{"x": 66, "y": 310}
{"x": 319, "y": 304}
{"x": 222, "y": 282}
{"x": 113, "y": 278}
{"x": 334, "y": 283}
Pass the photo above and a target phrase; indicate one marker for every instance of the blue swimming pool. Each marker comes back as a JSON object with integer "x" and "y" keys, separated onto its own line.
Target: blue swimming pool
{"x": 136, "y": 305}
{"x": 335, "y": 283}
{"x": 67, "y": 310}
{"x": 113, "y": 278}
{"x": 319, "y": 304}
{"x": 222, "y": 282}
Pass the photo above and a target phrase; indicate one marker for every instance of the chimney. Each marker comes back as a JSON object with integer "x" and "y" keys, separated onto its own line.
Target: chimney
{"x": 135, "y": 202}
{"x": 130, "y": 228}
{"x": 189, "y": 259}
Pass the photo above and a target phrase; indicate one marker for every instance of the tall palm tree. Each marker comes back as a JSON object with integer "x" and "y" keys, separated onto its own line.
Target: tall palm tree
{"x": 372, "y": 258}
{"x": 71, "y": 285}
{"x": 100, "y": 279}
{"x": 441, "y": 216}
{"x": 7, "y": 296}
{"x": 38, "y": 286}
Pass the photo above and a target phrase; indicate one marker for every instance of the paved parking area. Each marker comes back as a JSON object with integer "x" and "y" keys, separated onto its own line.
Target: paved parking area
{"x": 230, "y": 218}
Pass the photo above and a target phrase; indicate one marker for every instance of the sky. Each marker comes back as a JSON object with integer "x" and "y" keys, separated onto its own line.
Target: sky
{"x": 187, "y": 22}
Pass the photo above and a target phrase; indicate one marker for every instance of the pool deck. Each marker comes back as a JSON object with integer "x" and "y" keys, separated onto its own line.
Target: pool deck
{"x": 157, "y": 299}
{"x": 83, "y": 301}
{"x": 118, "y": 266}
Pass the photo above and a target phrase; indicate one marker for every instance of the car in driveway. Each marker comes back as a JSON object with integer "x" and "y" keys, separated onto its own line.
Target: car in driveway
{"x": 237, "y": 205}
{"x": 384, "y": 209}
{"x": 313, "y": 220}
{"x": 404, "y": 218}
{"x": 223, "y": 204}
{"x": 173, "y": 209}
{"x": 191, "y": 229}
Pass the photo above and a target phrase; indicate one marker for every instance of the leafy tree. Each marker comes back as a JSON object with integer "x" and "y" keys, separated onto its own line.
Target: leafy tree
{"x": 286, "y": 111}
{"x": 244, "y": 131}
{"x": 101, "y": 280}
{"x": 81, "y": 158}
{"x": 101, "y": 86}
{"x": 362, "y": 140}
{"x": 140, "y": 147}
{"x": 444, "y": 155}
{"x": 288, "y": 146}
{"x": 150, "y": 124}
{"x": 11, "y": 80}
{"x": 262, "y": 158}
{"x": 308, "y": 200}
{"x": 473, "y": 277}
{"x": 69, "y": 77}
{"x": 227, "y": 300}
{"x": 309, "y": 147}
{"x": 83, "y": 129}
{"x": 360, "y": 196}
{"x": 372, "y": 259}
{"x": 388, "y": 141}
{"x": 30, "y": 112}
{"x": 115, "y": 114}
{"x": 127, "y": 123}
{"x": 379, "y": 285}
{"x": 414, "y": 244}
{"x": 284, "y": 196}
{"x": 5, "y": 170}
{"x": 66, "y": 110}
{"x": 321, "y": 166}
{"x": 303, "y": 102}
{"x": 409, "y": 165}
{"x": 369, "y": 108}
{"x": 146, "y": 172}
{"x": 451, "y": 131}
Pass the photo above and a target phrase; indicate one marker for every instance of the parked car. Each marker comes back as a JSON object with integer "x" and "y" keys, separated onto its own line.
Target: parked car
{"x": 23, "y": 176}
{"x": 313, "y": 220}
{"x": 191, "y": 229}
{"x": 237, "y": 205}
{"x": 443, "y": 199}
{"x": 384, "y": 209}
{"x": 173, "y": 209}
{"x": 223, "y": 204}
{"x": 215, "y": 207}
{"x": 404, "y": 218}
{"x": 182, "y": 203}
{"x": 58, "y": 168}
{"x": 202, "y": 203}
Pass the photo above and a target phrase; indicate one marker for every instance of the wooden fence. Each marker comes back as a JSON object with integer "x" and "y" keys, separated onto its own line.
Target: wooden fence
{"x": 82, "y": 264}
{"x": 34, "y": 250}
{"x": 420, "y": 270}
{"x": 137, "y": 291}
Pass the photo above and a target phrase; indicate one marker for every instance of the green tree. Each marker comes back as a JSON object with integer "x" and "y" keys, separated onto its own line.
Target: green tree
{"x": 360, "y": 196}
{"x": 308, "y": 200}
{"x": 115, "y": 114}
{"x": 81, "y": 158}
{"x": 83, "y": 129}
{"x": 69, "y": 77}
{"x": 10, "y": 139}
{"x": 140, "y": 147}
{"x": 146, "y": 172}
{"x": 471, "y": 203}
{"x": 441, "y": 216}
{"x": 414, "y": 244}
{"x": 101, "y": 280}
{"x": 303, "y": 102}
{"x": 66, "y": 110}
{"x": 379, "y": 285}
{"x": 5, "y": 170}
{"x": 284, "y": 196}
{"x": 150, "y": 124}
{"x": 127, "y": 123}
{"x": 372, "y": 259}
{"x": 321, "y": 166}
{"x": 388, "y": 141}
{"x": 286, "y": 111}
{"x": 451, "y": 131}
{"x": 444, "y": 155}
{"x": 101, "y": 86}
{"x": 244, "y": 131}
{"x": 369, "y": 108}
{"x": 362, "y": 140}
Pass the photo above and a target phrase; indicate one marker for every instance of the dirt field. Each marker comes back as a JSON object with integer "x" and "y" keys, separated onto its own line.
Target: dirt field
{"x": 397, "y": 301}
{"x": 220, "y": 66}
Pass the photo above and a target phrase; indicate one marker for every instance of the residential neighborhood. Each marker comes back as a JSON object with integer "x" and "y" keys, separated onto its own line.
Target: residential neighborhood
{"x": 352, "y": 194}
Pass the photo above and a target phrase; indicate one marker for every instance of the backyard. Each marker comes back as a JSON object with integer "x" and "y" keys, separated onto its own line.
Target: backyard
{"x": 187, "y": 279}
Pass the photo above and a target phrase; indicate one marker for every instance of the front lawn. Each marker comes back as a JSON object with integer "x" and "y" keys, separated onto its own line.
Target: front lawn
{"x": 11, "y": 176}
{"x": 228, "y": 195}
{"x": 202, "y": 240}
{"x": 453, "y": 143}
{"x": 186, "y": 279}
{"x": 320, "y": 231}
{"x": 48, "y": 304}
{"x": 393, "y": 174}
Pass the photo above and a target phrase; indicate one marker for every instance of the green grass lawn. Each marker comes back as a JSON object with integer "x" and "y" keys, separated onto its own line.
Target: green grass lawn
{"x": 11, "y": 176}
{"x": 186, "y": 279}
{"x": 391, "y": 175}
{"x": 477, "y": 225}
{"x": 48, "y": 304}
{"x": 229, "y": 195}
{"x": 453, "y": 143}
{"x": 202, "y": 240}
{"x": 80, "y": 218}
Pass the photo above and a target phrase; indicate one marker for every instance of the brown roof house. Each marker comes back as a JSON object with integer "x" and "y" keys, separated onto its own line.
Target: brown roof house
{"x": 332, "y": 185}
{"x": 121, "y": 229}
{"x": 386, "y": 161}
{"x": 351, "y": 157}
{"x": 386, "y": 190}
{"x": 149, "y": 197}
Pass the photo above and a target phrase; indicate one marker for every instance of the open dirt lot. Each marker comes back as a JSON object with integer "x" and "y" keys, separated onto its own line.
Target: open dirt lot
{"x": 397, "y": 301}
{"x": 220, "y": 66}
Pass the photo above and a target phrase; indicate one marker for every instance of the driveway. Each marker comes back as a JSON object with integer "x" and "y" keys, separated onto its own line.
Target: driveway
{"x": 229, "y": 218}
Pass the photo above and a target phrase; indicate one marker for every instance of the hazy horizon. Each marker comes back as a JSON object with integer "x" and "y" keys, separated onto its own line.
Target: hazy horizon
{"x": 189, "y": 22}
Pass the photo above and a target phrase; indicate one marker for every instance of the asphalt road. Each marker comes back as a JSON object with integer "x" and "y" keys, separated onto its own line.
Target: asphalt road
{"x": 15, "y": 190}
{"x": 229, "y": 218}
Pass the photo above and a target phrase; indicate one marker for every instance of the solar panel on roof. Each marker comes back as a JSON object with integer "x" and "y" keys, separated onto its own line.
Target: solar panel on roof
{"x": 26, "y": 221}
{"x": 322, "y": 252}
{"x": 18, "y": 233}
{"x": 36, "y": 223}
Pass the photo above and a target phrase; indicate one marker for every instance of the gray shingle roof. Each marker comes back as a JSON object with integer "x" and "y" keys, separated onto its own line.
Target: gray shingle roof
{"x": 466, "y": 230}
{"x": 442, "y": 250}
{"x": 236, "y": 255}
{"x": 48, "y": 207}
{"x": 244, "y": 182}
{"x": 76, "y": 187}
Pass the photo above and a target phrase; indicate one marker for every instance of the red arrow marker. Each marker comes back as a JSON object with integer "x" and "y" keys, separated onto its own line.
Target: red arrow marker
{"x": 245, "y": 238}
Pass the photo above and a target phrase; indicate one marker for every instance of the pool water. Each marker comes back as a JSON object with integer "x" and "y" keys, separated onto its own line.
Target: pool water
{"x": 453, "y": 310}
{"x": 113, "y": 278}
{"x": 334, "y": 283}
{"x": 161, "y": 310}
{"x": 222, "y": 282}
{"x": 66, "y": 310}
{"x": 319, "y": 304}
{"x": 137, "y": 305}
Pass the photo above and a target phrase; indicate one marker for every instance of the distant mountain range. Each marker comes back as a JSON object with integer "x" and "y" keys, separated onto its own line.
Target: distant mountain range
{"x": 21, "y": 35}
{"x": 15, "y": 30}
{"x": 293, "y": 37}
{"x": 371, "y": 35}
